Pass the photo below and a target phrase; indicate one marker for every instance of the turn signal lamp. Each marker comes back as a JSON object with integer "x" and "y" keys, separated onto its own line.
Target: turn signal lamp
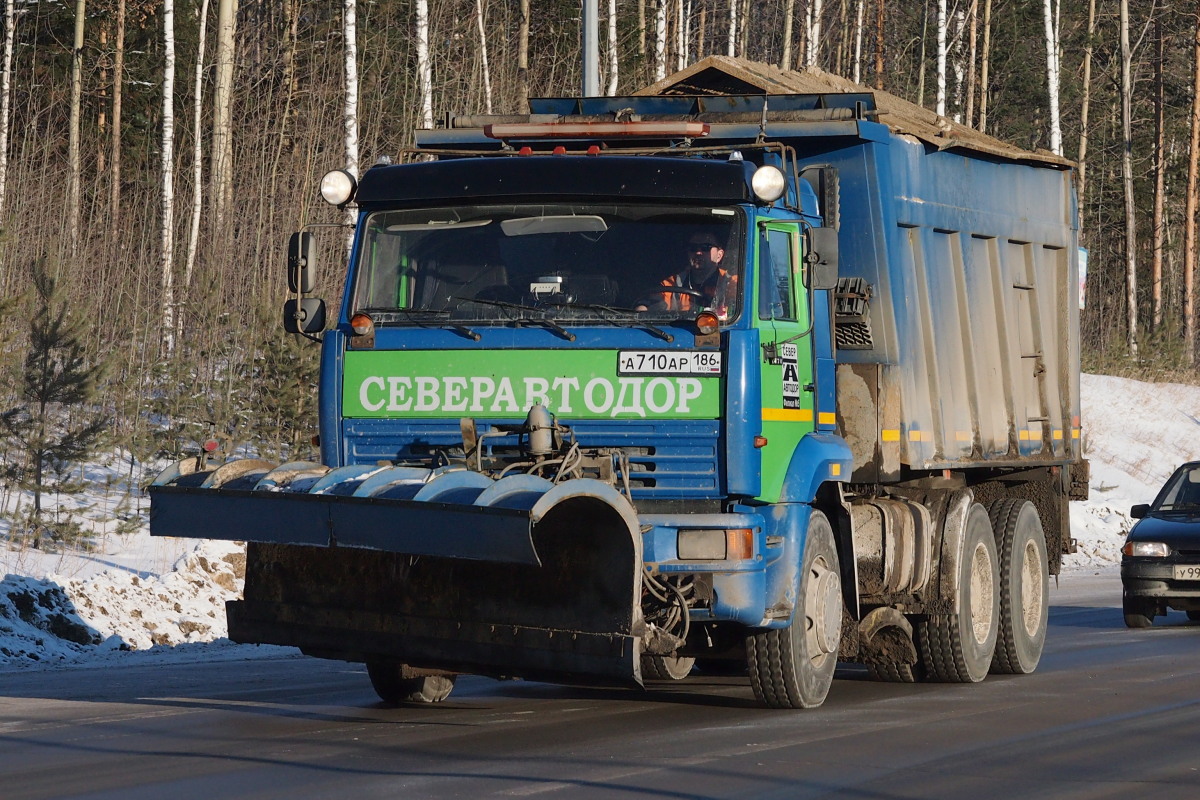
{"x": 338, "y": 187}
{"x": 707, "y": 322}
{"x": 1146, "y": 549}
{"x": 362, "y": 325}
{"x": 768, "y": 184}
{"x": 735, "y": 544}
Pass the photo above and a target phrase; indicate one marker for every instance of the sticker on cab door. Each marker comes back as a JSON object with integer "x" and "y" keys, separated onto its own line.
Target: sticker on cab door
{"x": 791, "y": 376}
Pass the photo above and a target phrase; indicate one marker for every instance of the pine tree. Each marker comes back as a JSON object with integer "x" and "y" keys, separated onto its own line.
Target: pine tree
{"x": 54, "y": 425}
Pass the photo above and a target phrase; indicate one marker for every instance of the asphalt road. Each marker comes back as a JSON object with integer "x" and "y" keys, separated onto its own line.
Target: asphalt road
{"x": 1111, "y": 712}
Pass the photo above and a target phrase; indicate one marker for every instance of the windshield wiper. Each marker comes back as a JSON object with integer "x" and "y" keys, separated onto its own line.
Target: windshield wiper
{"x": 392, "y": 314}
{"x": 622, "y": 315}
{"x": 542, "y": 320}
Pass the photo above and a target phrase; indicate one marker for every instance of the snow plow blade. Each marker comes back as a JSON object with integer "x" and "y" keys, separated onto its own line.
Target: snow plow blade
{"x": 440, "y": 570}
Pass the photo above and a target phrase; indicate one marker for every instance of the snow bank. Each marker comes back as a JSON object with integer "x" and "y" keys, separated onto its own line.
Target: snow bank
{"x": 59, "y": 620}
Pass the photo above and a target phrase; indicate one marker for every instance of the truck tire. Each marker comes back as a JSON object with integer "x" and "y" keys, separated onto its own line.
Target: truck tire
{"x": 1024, "y": 586}
{"x": 896, "y": 673}
{"x": 958, "y": 648}
{"x": 667, "y": 668}
{"x": 1139, "y": 613}
{"x": 793, "y": 667}
{"x": 394, "y": 688}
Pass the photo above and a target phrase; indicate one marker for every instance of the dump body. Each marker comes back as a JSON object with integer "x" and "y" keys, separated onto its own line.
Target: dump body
{"x": 629, "y": 381}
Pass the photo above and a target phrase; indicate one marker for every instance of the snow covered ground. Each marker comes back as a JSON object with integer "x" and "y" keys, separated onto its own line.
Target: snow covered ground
{"x": 137, "y": 597}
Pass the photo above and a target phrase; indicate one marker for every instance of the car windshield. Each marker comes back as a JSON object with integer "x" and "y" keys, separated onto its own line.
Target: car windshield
{"x": 1181, "y": 492}
{"x": 571, "y": 262}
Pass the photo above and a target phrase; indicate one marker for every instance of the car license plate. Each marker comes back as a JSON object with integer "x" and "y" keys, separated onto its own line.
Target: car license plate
{"x": 668, "y": 362}
{"x": 1187, "y": 572}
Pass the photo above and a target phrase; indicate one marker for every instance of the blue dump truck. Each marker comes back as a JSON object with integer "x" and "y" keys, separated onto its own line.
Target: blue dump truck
{"x": 698, "y": 378}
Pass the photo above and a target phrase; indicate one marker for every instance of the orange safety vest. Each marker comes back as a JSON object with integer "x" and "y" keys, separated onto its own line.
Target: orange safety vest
{"x": 683, "y": 302}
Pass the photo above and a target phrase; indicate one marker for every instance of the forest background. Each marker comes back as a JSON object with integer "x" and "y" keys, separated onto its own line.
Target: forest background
{"x": 155, "y": 155}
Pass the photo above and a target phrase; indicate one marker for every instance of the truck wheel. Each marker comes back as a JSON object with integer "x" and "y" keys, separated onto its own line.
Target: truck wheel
{"x": 1139, "y": 613}
{"x": 1024, "y": 586}
{"x": 958, "y": 648}
{"x": 896, "y": 673}
{"x": 793, "y": 667}
{"x": 667, "y": 668}
{"x": 393, "y": 687}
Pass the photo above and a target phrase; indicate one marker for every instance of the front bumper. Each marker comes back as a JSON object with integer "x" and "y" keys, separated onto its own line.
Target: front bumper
{"x": 1155, "y": 578}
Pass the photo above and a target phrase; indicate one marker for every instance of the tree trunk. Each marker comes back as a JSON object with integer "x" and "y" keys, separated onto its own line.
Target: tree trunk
{"x": 1131, "y": 310}
{"x": 813, "y": 33}
{"x": 168, "y": 180}
{"x": 660, "y": 40}
{"x": 941, "y": 58}
{"x": 613, "y": 61}
{"x": 879, "y": 43}
{"x": 733, "y": 27}
{"x": 483, "y": 56}
{"x": 117, "y": 96}
{"x": 789, "y": 10}
{"x": 197, "y": 148}
{"x": 858, "y": 40}
{"x": 522, "y": 59}
{"x": 1189, "y": 226}
{"x": 973, "y": 28}
{"x": 984, "y": 63}
{"x": 1051, "y": 25}
{"x": 425, "y": 72}
{"x": 1087, "y": 101}
{"x": 1160, "y": 152}
{"x": 74, "y": 177}
{"x": 221, "y": 192}
{"x": 10, "y": 22}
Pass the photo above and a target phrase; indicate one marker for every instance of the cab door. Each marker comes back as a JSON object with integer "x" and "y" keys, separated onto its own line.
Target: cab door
{"x": 784, "y": 320}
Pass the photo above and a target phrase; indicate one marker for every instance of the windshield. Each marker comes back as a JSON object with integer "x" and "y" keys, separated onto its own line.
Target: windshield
{"x": 1182, "y": 492}
{"x": 576, "y": 262}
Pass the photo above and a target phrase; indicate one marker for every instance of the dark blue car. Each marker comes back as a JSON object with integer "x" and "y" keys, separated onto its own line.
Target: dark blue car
{"x": 1160, "y": 562}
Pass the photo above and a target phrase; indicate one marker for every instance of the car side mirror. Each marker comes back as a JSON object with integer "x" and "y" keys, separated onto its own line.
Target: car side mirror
{"x": 302, "y": 263}
{"x": 821, "y": 255}
{"x": 305, "y": 316}
{"x": 1140, "y": 510}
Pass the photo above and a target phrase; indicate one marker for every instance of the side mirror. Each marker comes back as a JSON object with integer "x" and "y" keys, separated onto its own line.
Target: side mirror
{"x": 1140, "y": 510}
{"x": 825, "y": 182}
{"x": 302, "y": 263}
{"x": 821, "y": 256}
{"x": 306, "y": 315}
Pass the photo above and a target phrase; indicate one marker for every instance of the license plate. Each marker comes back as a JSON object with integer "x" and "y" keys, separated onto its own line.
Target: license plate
{"x": 668, "y": 362}
{"x": 1187, "y": 572}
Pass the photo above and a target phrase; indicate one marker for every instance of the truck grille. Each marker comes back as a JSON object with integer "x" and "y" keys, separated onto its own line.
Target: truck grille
{"x": 668, "y": 458}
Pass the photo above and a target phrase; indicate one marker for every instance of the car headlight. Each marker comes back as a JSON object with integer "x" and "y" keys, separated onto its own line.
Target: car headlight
{"x": 1146, "y": 549}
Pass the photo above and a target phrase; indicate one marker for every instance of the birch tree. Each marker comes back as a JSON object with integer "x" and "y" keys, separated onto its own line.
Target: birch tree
{"x": 74, "y": 176}
{"x": 424, "y": 70}
{"x": 733, "y": 28}
{"x": 1190, "y": 211}
{"x": 168, "y": 180}
{"x": 221, "y": 192}
{"x": 789, "y": 11}
{"x": 1050, "y": 20}
{"x": 197, "y": 147}
{"x": 812, "y": 34}
{"x": 1158, "y": 227}
{"x": 10, "y": 24}
{"x": 858, "y": 40}
{"x": 483, "y": 56}
{"x": 1131, "y": 311}
{"x": 522, "y": 58}
{"x": 613, "y": 62}
{"x": 984, "y": 64}
{"x": 1086, "y": 104}
{"x": 941, "y": 58}
{"x": 118, "y": 95}
{"x": 660, "y": 40}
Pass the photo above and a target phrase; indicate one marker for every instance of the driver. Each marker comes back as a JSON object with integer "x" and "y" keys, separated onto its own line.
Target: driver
{"x": 701, "y": 284}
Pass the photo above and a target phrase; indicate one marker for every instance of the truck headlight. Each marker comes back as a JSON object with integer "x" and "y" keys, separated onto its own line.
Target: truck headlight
{"x": 337, "y": 187}
{"x": 768, "y": 183}
{"x": 1146, "y": 549}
